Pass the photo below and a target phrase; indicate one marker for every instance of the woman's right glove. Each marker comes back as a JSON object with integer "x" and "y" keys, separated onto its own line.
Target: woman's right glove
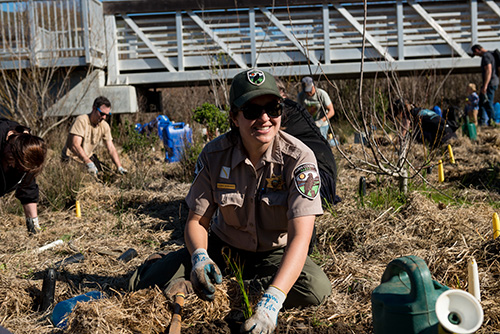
{"x": 204, "y": 273}
{"x": 265, "y": 318}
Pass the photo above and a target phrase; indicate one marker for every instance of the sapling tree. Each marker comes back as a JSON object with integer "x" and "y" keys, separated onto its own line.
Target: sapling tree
{"x": 385, "y": 135}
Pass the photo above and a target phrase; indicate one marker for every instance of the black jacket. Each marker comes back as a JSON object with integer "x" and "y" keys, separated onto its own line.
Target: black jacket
{"x": 299, "y": 123}
{"x": 11, "y": 179}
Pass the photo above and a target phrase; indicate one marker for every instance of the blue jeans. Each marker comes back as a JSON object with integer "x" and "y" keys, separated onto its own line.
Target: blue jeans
{"x": 324, "y": 130}
{"x": 486, "y": 110}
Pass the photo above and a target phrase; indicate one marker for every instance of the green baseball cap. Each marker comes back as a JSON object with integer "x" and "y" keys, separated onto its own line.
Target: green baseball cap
{"x": 250, "y": 84}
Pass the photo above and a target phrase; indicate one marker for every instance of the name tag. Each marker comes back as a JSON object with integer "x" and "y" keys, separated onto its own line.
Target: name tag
{"x": 226, "y": 186}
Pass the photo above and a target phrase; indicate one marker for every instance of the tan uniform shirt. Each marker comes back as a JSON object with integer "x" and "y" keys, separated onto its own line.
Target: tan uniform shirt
{"x": 92, "y": 136}
{"x": 255, "y": 204}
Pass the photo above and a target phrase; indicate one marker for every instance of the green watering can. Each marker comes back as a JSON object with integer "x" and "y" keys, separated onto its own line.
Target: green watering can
{"x": 469, "y": 129}
{"x": 404, "y": 302}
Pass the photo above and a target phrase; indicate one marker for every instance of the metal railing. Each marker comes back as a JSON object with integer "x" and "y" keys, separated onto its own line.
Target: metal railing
{"x": 189, "y": 44}
{"x": 49, "y": 33}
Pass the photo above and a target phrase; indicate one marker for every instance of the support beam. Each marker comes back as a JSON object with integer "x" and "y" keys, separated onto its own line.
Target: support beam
{"x": 148, "y": 42}
{"x": 290, "y": 36}
{"x": 494, "y": 7}
{"x": 376, "y": 45}
{"x": 422, "y": 12}
{"x": 236, "y": 58}
{"x": 112, "y": 50}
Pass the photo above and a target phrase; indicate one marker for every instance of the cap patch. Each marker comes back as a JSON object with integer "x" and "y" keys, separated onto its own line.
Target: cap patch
{"x": 256, "y": 77}
{"x": 307, "y": 180}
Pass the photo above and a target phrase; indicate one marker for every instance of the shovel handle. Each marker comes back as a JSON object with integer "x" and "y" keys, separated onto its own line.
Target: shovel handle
{"x": 175, "y": 324}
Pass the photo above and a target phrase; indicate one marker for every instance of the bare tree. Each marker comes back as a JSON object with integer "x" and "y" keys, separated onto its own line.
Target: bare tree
{"x": 36, "y": 38}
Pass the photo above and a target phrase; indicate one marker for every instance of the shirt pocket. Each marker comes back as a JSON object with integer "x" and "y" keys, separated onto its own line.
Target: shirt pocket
{"x": 273, "y": 210}
{"x": 231, "y": 208}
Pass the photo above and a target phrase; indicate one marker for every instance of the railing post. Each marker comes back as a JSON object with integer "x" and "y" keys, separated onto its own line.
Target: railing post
{"x": 401, "y": 39}
{"x": 326, "y": 33}
{"x": 253, "y": 45}
{"x": 33, "y": 39}
{"x": 86, "y": 34}
{"x": 180, "y": 47}
{"x": 473, "y": 22}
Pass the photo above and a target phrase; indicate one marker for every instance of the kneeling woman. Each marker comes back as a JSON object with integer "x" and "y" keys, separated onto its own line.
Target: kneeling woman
{"x": 255, "y": 192}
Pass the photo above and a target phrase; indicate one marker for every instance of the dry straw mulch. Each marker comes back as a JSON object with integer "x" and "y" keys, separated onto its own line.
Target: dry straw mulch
{"x": 355, "y": 244}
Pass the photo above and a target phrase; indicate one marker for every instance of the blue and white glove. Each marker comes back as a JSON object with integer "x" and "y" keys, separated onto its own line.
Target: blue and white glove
{"x": 91, "y": 168}
{"x": 33, "y": 225}
{"x": 320, "y": 123}
{"x": 122, "y": 170}
{"x": 265, "y": 318}
{"x": 204, "y": 273}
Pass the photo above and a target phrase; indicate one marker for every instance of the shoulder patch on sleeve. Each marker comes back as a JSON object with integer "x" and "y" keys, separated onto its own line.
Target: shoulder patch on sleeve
{"x": 307, "y": 180}
{"x": 198, "y": 168}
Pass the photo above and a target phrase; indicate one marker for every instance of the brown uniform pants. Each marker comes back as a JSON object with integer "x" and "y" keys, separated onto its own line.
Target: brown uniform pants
{"x": 311, "y": 288}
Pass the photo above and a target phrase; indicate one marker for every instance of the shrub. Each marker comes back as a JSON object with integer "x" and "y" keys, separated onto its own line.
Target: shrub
{"x": 212, "y": 118}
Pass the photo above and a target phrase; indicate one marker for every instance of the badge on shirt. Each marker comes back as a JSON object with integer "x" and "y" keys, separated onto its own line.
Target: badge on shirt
{"x": 307, "y": 180}
{"x": 224, "y": 172}
{"x": 275, "y": 182}
{"x": 226, "y": 186}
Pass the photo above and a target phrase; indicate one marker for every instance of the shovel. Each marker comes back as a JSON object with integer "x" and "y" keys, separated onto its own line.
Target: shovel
{"x": 177, "y": 290}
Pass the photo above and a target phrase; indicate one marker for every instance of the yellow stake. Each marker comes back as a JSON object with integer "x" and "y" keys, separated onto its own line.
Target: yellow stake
{"x": 77, "y": 207}
{"x": 450, "y": 152}
{"x": 496, "y": 226}
{"x": 440, "y": 171}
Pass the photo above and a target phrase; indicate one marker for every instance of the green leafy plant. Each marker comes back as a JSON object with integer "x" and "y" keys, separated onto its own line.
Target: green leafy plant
{"x": 136, "y": 142}
{"x": 237, "y": 270}
{"x": 212, "y": 118}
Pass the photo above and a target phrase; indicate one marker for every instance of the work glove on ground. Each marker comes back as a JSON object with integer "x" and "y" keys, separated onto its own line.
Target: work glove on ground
{"x": 178, "y": 286}
{"x": 91, "y": 168}
{"x": 204, "y": 273}
{"x": 265, "y": 318}
{"x": 32, "y": 225}
{"x": 122, "y": 170}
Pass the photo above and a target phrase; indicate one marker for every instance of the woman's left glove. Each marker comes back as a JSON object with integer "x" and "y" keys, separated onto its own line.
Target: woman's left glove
{"x": 32, "y": 225}
{"x": 265, "y": 317}
{"x": 204, "y": 273}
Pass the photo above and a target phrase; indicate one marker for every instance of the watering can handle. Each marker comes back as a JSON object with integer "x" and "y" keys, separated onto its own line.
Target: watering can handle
{"x": 419, "y": 274}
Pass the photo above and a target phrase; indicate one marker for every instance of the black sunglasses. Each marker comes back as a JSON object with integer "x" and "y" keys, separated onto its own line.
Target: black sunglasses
{"x": 103, "y": 113}
{"x": 253, "y": 111}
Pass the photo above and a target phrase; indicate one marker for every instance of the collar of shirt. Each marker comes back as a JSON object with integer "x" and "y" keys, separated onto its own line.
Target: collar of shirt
{"x": 273, "y": 153}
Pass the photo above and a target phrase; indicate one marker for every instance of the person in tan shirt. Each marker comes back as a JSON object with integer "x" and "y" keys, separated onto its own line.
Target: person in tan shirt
{"x": 87, "y": 132}
{"x": 256, "y": 189}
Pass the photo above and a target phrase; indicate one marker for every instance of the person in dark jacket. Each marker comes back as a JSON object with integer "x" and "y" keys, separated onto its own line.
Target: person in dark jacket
{"x": 430, "y": 129}
{"x": 299, "y": 123}
{"x": 22, "y": 156}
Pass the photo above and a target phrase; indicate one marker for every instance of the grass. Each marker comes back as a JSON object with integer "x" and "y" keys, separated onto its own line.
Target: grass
{"x": 237, "y": 270}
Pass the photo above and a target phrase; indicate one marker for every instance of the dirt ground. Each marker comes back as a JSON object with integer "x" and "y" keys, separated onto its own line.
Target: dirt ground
{"x": 443, "y": 223}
